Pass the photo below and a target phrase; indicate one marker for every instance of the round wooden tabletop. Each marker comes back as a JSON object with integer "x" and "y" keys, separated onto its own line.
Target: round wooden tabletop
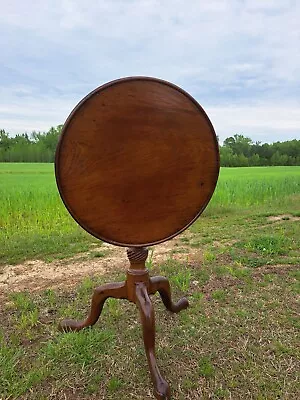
{"x": 137, "y": 161}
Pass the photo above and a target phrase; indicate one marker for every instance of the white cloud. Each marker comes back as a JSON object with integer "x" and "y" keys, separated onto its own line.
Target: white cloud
{"x": 277, "y": 122}
{"x": 239, "y": 56}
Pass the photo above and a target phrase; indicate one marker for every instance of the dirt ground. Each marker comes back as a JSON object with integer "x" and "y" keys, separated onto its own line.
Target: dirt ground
{"x": 37, "y": 275}
{"x": 282, "y": 217}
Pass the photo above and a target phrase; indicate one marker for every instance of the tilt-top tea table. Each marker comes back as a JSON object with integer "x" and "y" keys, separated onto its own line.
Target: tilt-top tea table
{"x": 136, "y": 164}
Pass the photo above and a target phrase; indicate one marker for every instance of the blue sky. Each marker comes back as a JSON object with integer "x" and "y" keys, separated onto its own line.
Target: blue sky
{"x": 240, "y": 59}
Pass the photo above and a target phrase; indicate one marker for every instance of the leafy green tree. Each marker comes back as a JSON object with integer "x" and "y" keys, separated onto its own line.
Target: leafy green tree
{"x": 239, "y": 144}
{"x": 4, "y": 140}
{"x": 237, "y": 150}
{"x": 254, "y": 160}
{"x": 226, "y": 155}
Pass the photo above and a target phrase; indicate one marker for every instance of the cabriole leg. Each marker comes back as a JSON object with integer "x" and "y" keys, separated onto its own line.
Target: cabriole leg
{"x": 161, "y": 388}
{"x": 161, "y": 284}
{"x": 115, "y": 290}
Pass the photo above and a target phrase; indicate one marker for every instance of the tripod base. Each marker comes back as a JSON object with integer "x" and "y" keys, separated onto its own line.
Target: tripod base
{"x": 137, "y": 288}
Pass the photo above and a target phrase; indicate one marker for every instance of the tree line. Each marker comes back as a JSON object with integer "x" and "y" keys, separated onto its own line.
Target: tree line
{"x": 236, "y": 151}
{"x": 241, "y": 151}
{"x": 36, "y": 147}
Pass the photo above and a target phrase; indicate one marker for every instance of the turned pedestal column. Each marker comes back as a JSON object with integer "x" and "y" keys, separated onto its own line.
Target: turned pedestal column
{"x": 137, "y": 288}
{"x": 136, "y": 164}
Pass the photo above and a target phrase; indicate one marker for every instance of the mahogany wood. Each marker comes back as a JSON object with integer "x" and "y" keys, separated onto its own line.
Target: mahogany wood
{"x": 136, "y": 164}
{"x": 136, "y": 289}
{"x": 137, "y": 161}
{"x": 101, "y": 294}
{"x": 161, "y": 388}
{"x": 161, "y": 284}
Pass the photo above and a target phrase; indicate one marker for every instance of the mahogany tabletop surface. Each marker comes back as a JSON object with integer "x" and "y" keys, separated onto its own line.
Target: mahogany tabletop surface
{"x": 137, "y": 161}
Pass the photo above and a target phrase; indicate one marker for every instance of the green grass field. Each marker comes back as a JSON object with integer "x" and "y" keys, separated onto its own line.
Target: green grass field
{"x": 35, "y": 224}
{"x": 237, "y": 340}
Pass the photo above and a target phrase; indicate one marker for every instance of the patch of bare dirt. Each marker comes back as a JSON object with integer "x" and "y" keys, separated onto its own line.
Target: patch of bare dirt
{"x": 216, "y": 283}
{"x": 280, "y": 269}
{"x": 283, "y": 217}
{"x": 38, "y": 275}
{"x": 226, "y": 282}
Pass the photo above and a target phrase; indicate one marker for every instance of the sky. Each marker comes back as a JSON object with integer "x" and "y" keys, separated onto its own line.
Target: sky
{"x": 240, "y": 59}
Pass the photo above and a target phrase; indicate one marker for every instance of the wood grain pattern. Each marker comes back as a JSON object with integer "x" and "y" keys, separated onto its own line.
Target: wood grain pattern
{"x": 137, "y": 288}
{"x": 161, "y": 387}
{"x": 137, "y": 162}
